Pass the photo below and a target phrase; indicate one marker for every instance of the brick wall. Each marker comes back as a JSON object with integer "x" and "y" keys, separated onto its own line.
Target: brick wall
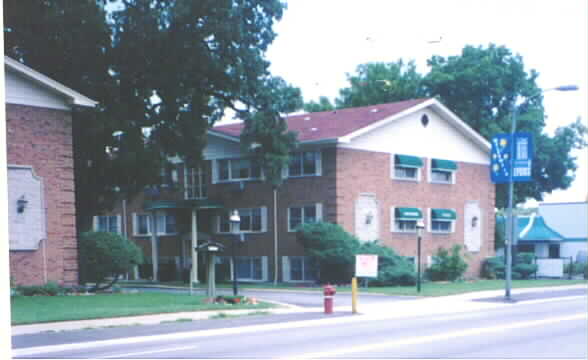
{"x": 42, "y": 138}
{"x": 369, "y": 172}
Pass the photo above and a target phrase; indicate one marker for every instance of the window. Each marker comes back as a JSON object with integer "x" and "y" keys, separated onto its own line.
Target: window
{"x": 168, "y": 175}
{"x": 443, "y": 171}
{"x": 252, "y": 220}
{"x": 406, "y": 167}
{"x": 526, "y": 248}
{"x": 107, "y": 223}
{"x": 301, "y": 269}
{"x": 554, "y": 251}
{"x": 404, "y": 219}
{"x": 442, "y": 221}
{"x": 303, "y": 215}
{"x": 195, "y": 181}
{"x": 166, "y": 224}
{"x": 305, "y": 163}
{"x": 249, "y": 268}
{"x": 237, "y": 170}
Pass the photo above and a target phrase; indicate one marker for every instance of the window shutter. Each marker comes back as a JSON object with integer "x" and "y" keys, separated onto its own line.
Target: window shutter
{"x": 264, "y": 219}
{"x": 285, "y": 269}
{"x": 319, "y": 163}
{"x": 119, "y": 225}
{"x": 285, "y": 172}
{"x": 214, "y": 171}
{"x": 95, "y": 223}
{"x": 391, "y": 166}
{"x": 428, "y": 220}
{"x": 392, "y": 218}
{"x": 216, "y": 224}
{"x": 319, "y": 212}
{"x": 264, "y": 268}
{"x": 135, "y": 224}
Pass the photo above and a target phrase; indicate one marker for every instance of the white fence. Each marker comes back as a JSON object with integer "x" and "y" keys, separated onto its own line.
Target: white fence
{"x": 553, "y": 268}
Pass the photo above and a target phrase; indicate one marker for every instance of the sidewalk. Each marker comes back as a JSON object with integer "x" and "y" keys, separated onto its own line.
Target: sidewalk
{"x": 422, "y": 306}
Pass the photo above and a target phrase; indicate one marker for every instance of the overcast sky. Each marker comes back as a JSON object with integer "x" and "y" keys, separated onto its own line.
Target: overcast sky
{"x": 320, "y": 41}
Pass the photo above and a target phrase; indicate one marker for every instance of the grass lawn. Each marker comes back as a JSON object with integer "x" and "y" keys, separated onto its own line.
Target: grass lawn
{"x": 38, "y": 309}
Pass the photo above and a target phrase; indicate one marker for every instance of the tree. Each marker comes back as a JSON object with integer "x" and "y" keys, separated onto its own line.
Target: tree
{"x": 103, "y": 255}
{"x": 448, "y": 265}
{"x": 324, "y": 104}
{"x": 481, "y": 86}
{"x": 379, "y": 83}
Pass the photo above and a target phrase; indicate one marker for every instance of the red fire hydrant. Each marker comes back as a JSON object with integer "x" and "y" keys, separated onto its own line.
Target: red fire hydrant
{"x": 329, "y": 291}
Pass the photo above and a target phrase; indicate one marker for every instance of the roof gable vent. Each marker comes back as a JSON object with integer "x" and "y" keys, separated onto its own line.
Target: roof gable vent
{"x": 375, "y": 110}
{"x": 307, "y": 118}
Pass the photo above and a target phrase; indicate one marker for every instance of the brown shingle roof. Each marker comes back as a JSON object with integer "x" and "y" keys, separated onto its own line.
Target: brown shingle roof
{"x": 333, "y": 124}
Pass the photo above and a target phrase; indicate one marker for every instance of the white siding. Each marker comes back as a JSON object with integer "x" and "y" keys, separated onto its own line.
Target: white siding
{"x": 21, "y": 91}
{"x": 218, "y": 148}
{"x": 407, "y": 136}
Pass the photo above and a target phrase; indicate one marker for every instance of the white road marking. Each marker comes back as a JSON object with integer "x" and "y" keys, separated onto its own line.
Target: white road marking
{"x": 148, "y": 352}
{"x": 426, "y": 339}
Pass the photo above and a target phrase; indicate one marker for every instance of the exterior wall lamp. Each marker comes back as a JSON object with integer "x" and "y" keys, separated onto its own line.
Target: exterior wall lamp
{"x": 21, "y": 204}
{"x": 474, "y": 221}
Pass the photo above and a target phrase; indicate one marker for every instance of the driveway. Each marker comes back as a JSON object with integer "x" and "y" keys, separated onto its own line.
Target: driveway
{"x": 302, "y": 298}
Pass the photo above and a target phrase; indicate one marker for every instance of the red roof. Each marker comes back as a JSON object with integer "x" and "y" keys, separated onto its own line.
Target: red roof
{"x": 332, "y": 124}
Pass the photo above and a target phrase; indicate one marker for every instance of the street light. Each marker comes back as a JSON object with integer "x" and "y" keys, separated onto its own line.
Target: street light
{"x": 420, "y": 225}
{"x": 235, "y": 220}
{"x": 510, "y": 228}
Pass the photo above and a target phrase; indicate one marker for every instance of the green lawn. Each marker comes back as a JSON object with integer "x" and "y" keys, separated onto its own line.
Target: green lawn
{"x": 38, "y": 309}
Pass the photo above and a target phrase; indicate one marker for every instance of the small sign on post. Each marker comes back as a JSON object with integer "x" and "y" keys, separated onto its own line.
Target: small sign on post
{"x": 366, "y": 265}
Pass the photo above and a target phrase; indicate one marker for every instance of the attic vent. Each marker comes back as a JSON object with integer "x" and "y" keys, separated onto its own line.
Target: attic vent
{"x": 374, "y": 110}
{"x": 307, "y": 118}
{"x": 425, "y": 120}
{"x": 313, "y": 129}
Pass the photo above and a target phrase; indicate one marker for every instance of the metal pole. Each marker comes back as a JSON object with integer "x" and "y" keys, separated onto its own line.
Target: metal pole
{"x": 235, "y": 290}
{"x": 419, "y": 263}
{"x": 510, "y": 224}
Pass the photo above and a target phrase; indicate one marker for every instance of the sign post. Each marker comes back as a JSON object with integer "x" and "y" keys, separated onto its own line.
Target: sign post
{"x": 365, "y": 266}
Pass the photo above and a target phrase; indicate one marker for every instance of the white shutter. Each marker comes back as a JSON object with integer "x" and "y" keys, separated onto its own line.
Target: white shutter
{"x": 319, "y": 163}
{"x": 135, "y": 224}
{"x": 119, "y": 225}
{"x": 428, "y": 219}
{"x": 285, "y": 172}
{"x": 264, "y": 219}
{"x": 285, "y": 269}
{"x": 214, "y": 171}
{"x": 319, "y": 212}
{"x": 391, "y": 166}
{"x": 264, "y": 268}
{"x": 95, "y": 223}
{"x": 392, "y": 219}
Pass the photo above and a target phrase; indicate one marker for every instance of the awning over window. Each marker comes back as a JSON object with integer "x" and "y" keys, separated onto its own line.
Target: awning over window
{"x": 182, "y": 204}
{"x": 408, "y": 161}
{"x": 447, "y": 165}
{"x": 407, "y": 213}
{"x": 443, "y": 214}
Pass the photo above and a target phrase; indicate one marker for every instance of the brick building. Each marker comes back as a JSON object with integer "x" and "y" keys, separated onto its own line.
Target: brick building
{"x": 41, "y": 203}
{"x": 373, "y": 170}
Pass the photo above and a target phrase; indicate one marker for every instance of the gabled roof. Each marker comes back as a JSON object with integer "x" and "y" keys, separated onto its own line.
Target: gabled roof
{"x": 72, "y": 96}
{"x": 345, "y": 124}
{"x": 534, "y": 229}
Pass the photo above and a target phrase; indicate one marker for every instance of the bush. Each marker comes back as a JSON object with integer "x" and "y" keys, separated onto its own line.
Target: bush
{"x": 334, "y": 250}
{"x": 104, "y": 254}
{"x": 523, "y": 268}
{"x": 49, "y": 289}
{"x": 447, "y": 266}
{"x": 575, "y": 268}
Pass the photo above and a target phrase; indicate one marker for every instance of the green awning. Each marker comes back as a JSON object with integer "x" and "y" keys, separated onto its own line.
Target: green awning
{"x": 443, "y": 214}
{"x": 182, "y": 204}
{"x": 407, "y": 213}
{"x": 447, "y": 165}
{"x": 408, "y": 161}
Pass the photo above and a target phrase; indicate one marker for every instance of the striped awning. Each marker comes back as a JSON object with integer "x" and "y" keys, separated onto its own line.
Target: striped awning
{"x": 407, "y": 213}
{"x": 446, "y": 165}
{"x": 408, "y": 161}
{"x": 443, "y": 214}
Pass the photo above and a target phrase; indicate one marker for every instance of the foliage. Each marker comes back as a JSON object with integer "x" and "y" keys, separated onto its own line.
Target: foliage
{"x": 576, "y": 268}
{"x": 334, "y": 250}
{"x": 523, "y": 267}
{"x": 448, "y": 265}
{"x": 499, "y": 232}
{"x": 119, "y": 55}
{"x": 393, "y": 269}
{"x": 51, "y": 288}
{"x": 379, "y": 83}
{"x": 482, "y": 86}
{"x": 324, "y": 104}
{"x": 103, "y": 254}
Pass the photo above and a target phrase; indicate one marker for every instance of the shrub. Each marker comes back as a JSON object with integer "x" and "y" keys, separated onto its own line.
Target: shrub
{"x": 104, "y": 254}
{"x": 49, "y": 289}
{"x": 493, "y": 268}
{"x": 447, "y": 266}
{"x": 523, "y": 268}
{"x": 575, "y": 268}
{"x": 334, "y": 250}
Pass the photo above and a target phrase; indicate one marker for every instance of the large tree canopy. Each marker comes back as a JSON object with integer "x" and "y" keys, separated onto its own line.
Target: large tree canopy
{"x": 170, "y": 67}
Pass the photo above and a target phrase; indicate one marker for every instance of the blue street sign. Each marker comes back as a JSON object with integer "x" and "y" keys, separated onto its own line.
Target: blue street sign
{"x": 501, "y": 158}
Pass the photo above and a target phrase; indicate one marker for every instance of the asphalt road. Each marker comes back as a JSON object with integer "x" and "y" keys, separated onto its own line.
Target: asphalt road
{"x": 528, "y": 329}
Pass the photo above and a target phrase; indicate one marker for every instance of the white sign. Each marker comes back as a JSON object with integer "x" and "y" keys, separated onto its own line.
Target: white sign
{"x": 366, "y": 265}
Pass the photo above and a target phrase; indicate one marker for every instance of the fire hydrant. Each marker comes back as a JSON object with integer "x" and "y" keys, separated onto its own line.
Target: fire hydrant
{"x": 329, "y": 291}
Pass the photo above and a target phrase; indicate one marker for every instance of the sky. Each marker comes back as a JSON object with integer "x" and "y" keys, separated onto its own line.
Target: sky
{"x": 319, "y": 42}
